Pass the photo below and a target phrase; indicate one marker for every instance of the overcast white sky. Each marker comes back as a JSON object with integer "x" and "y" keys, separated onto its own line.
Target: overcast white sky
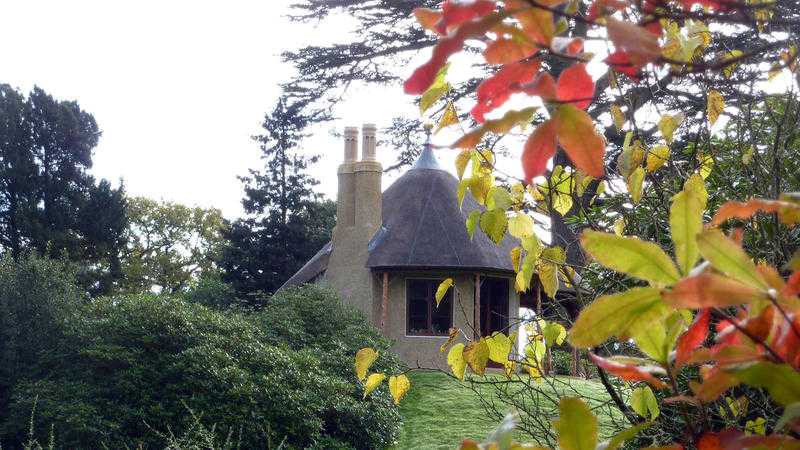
{"x": 178, "y": 87}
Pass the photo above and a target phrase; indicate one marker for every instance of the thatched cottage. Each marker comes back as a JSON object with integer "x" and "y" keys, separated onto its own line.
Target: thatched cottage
{"x": 391, "y": 249}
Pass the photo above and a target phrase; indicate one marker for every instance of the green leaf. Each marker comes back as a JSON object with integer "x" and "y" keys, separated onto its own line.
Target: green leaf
{"x": 435, "y": 91}
{"x": 790, "y": 414}
{"x": 532, "y": 245}
{"x": 373, "y": 381}
{"x": 614, "y": 315}
{"x": 616, "y": 442}
{"x": 780, "y": 380}
{"x": 472, "y": 221}
{"x": 364, "y": 359}
{"x": 498, "y": 198}
{"x": 632, "y": 256}
{"x": 576, "y": 425}
{"x": 729, "y": 258}
{"x": 441, "y": 291}
{"x": 635, "y": 182}
{"x": 456, "y": 361}
{"x": 644, "y": 402}
{"x": 685, "y": 223}
{"x": 554, "y": 333}
{"x": 494, "y": 224}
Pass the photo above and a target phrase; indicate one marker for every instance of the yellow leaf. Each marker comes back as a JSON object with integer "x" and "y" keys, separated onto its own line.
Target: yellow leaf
{"x": 452, "y": 337}
{"x": 706, "y": 164}
{"x": 668, "y": 124}
{"x": 450, "y": 117}
{"x": 456, "y": 361}
{"x": 618, "y": 116}
{"x": 635, "y": 182}
{"x": 730, "y": 68}
{"x": 516, "y": 256}
{"x": 444, "y": 286}
{"x": 398, "y": 386}
{"x": 461, "y": 162}
{"x": 477, "y": 356}
{"x": 521, "y": 225}
{"x": 472, "y": 221}
{"x": 500, "y": 347}
{"x": 714, "y": 106}
{"x": 498, "y": 126}
{"x": 619, "y": 226}
{"x": 685, "y": 223}
{"x": 436, "y": 91}
{"x": 657, "y": 157}
{"x": 364, "y": 359}
{"x": 576, "y": 425}
{"x": 747, "y": 156}
{"x": 373, "y": 381}
{"x": 548, "y": 277}
{"x": 631, "y": 255}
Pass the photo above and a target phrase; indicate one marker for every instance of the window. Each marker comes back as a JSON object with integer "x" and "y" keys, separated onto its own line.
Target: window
{"x": 424, "y": 318}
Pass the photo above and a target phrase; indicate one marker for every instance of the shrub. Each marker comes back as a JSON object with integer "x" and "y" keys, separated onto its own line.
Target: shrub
{"x": 134, "y": 368}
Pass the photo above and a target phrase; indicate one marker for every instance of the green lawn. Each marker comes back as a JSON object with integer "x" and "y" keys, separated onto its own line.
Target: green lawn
{"x": 439, "y": 412}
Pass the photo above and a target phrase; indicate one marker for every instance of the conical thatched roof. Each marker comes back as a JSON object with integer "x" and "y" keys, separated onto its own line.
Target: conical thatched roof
{"x": 424, "y": 228}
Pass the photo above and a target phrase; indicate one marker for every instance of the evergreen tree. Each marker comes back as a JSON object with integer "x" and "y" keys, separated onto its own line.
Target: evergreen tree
{"x": 49, "y": 203}
{"x": 285, "y": 222}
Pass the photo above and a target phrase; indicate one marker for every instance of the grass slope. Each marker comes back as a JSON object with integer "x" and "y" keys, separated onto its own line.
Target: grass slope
{"x": 439, "y": 412}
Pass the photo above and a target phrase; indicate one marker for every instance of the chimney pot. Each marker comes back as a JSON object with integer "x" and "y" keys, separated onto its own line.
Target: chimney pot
{"x": 368, "y": 142}
{"x": 350, "y": 144}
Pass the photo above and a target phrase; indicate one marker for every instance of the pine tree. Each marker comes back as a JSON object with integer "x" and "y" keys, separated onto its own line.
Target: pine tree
{"x": 286, "y": 222}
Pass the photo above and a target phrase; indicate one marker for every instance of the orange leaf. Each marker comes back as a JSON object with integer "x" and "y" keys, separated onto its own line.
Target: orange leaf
{"x": 792, "y": 287}
{"x": 715, "y": 383}
{"x": 708, "y": 290}
{"x": 580, "y": 141}
{"x": 627, "y": 372}
{"x": 575, "y": 86}
{"x": 543, "y": 86}
{"x": 709, "y": 441}
{"x": 621, "y": 62}
{"x": 539, "y": 148}
{"x": 746, "y": 210}
{"x": 505, "y": 51}
{"x": 428, "y": 18}
{"x": 692, "y": 338}
{"x": 536, "y": 22}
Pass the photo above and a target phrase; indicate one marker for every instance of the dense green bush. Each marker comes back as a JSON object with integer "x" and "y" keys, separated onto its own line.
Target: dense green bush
{"x": 36, "y": 298}
{"x": 133, "y": 370}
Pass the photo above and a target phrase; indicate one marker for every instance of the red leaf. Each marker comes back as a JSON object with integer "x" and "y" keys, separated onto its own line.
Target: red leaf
{"x": 566, "y": 45}
{"x": 575, "y": 86}
{"x": 543, "y": 86}
{"x": 620, "y": 62}
{"x": 455, "y": 13}
{"x": 709, "y": 441}
{"x": 580, "y": 141}
{"x": 710, "y": 290}
{"x": 494, "y": 91}
{"x": 627, "y": 372}
{"x": 423, "y": 76}
{"x": 715, "y": 383}
{"x": 693, "y": 337}
{"x": 601, "y": 8}
{"x": 539, "y": 148}
{"x": 792, "y": 287}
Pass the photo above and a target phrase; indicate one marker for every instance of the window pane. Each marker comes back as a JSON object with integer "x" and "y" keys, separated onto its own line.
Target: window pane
{"x": 416, "y": 295}
{"x": 442, "y": 318}
{"x": 420, "y": 296}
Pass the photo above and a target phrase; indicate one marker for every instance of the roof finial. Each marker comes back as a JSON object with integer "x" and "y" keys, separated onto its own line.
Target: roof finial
{"x": 426, "y": 159}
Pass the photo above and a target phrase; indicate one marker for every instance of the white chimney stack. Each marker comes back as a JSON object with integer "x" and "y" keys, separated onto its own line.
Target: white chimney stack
{"x": 351, "y": 144}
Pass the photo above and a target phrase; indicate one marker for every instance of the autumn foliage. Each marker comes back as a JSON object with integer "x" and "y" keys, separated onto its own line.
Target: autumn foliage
{"x": 706, "y": 310}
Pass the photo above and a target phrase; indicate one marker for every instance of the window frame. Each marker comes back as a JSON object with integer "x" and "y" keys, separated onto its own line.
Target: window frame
{"x": 431, "y": 301}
